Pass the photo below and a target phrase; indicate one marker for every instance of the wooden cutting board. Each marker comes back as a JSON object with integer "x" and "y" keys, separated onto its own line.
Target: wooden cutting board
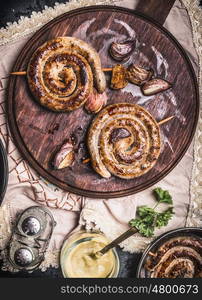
{"x": 3, "y": 171}
{"x": 38, "y": 133}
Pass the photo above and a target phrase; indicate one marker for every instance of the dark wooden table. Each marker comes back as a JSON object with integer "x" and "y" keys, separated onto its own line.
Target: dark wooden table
{"x": 11, "y": 11}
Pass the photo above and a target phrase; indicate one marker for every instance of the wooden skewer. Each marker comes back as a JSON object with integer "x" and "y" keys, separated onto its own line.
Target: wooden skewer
{"x": 151, "y": 253}
{"x": 85, "y": 161}
{"x": 24, "y": 72}
{"x": 19, "y": 73}
{"x": 165, "y": 120}
{"x": 106, "y": 69}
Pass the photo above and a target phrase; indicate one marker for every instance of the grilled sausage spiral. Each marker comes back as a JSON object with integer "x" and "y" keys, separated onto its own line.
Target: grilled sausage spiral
{"x": 179, "y": 257}
{"x": 123, "y": 140}
{"x": 62, "y": 72}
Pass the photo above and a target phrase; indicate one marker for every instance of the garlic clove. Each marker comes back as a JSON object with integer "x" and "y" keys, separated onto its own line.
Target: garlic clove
{"x": 138, "y": 75}
{"x": 95, "y": 102}
{"x": 64, "y": 157}
{"x": 120, "y": 51}
{"x": 118, "y": 79}
{"x": 155, "y": 86}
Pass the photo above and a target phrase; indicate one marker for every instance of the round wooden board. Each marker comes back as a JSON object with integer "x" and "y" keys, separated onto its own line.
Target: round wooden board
{"x": 3, "y": 171}
{"x": 38, "y": 132}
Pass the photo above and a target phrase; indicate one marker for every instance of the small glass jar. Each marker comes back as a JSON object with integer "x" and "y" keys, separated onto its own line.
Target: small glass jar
{"x": 77, "y": 258}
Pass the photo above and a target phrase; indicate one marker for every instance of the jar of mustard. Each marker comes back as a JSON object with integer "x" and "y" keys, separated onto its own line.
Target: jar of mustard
{"x": 78, "y": 259}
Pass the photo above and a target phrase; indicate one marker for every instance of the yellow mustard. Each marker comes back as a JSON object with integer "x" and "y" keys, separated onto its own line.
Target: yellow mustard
{"x": 79, "y": 260}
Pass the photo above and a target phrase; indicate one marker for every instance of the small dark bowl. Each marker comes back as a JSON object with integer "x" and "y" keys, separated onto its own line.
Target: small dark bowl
{"x": 188, "y": 231}
{"x": 3, "y": 171}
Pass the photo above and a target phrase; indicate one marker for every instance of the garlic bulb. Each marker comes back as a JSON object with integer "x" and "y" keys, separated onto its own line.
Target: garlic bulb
{"x": 155, "y": 86}
{"x": 95, "y": 102}
{"x": 64, "y": 157}
{"x": 138, "y": 75}
{"x": 120, "y": 51}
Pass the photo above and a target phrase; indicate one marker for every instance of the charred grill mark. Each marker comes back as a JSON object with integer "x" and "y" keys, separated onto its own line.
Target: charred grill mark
{"x": 122, "y": 144}
{"x": 55, "y": 87}
{"x": 84, "y": 76}
{"x": 151, "y": 158}
{"x": 118, "y": 133}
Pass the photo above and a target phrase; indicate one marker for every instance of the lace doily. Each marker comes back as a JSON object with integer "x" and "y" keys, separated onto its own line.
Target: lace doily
{"x": 195, "y": 212}
{"x": 26, "y": 25}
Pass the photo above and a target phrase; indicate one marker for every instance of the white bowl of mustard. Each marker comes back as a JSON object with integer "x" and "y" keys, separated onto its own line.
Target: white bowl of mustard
{"x": 77, "y": 258}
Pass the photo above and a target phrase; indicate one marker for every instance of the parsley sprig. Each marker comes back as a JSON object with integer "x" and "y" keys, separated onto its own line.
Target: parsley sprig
{"x": 148, "y": 218}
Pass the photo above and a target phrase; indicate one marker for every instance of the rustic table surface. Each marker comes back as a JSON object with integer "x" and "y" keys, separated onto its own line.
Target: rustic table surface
{"x": 10, "y": 11}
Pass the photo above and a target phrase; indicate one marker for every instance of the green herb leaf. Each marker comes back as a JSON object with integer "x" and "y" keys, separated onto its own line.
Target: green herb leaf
{"x": 163, "y": 196}
{"x": 144, "y": 224}
{"x": 143, "y": 227}
{"x": 144, "y": 210}
{"x": 163, "y": 218}
{"x": 149, "y": 219}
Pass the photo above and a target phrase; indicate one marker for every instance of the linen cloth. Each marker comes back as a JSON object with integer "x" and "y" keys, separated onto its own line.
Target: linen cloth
{"x": 27, "y": 188}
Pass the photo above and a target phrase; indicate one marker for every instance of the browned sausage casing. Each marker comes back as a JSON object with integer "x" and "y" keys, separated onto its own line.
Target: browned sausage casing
{"x": 123, "y": 140}
{"x": 178, "y": 257}
{"x": 61, "y": 73}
